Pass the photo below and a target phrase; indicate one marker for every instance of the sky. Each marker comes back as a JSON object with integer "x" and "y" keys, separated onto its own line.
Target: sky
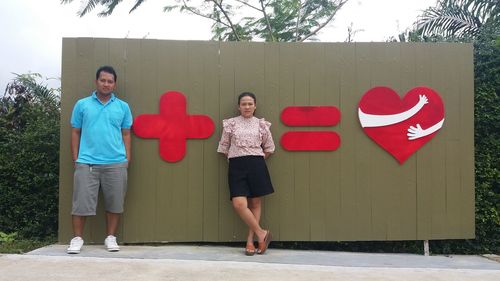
{"x": 32, "y": 30}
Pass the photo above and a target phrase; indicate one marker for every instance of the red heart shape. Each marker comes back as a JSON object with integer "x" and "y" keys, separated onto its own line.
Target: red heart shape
{"x": 401, "y": 126}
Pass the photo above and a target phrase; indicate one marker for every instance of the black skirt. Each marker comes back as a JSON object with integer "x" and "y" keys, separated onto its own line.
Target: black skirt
{"x": 248, "y": 176}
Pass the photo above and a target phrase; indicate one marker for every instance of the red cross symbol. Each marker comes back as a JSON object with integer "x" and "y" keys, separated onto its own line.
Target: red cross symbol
{"x": 173, "y": 126}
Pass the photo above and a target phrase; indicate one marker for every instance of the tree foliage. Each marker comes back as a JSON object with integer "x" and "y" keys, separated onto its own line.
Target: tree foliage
{"x": 487, "y": 135}
{"x": 29, "y": 158}
{"x": 271, "y": 20}
{"x": 459, "y": 18}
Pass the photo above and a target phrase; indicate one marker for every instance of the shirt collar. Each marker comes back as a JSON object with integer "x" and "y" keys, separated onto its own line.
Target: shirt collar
{"x": 113, "y": 97}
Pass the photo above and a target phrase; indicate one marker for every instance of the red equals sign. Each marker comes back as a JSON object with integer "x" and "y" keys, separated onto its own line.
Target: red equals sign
{"x": 310, "y": 116}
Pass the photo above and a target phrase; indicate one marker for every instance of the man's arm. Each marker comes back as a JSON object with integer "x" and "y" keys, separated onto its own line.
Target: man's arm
{"x": 75, "y": 142}
{"x": 128, "y": 143}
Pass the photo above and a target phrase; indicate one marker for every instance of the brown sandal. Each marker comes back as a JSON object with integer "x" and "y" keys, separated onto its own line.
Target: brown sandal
{"x": 265, "y": 244}
{"x": 250, "y": 250}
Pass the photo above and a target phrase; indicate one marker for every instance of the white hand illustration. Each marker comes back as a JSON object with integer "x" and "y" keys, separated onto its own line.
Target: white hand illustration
{"x": 373, "y": 120}
{"x": 415, "y": 132}
{"x": 422, "y": 100}
{"x": 418, "y": 132}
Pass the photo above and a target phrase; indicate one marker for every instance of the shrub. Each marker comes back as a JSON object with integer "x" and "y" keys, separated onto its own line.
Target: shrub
{"x": 29, "y": 158}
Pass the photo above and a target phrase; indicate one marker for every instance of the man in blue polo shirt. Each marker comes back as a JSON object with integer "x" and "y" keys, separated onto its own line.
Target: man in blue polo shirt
{"x": 100, "y": 146}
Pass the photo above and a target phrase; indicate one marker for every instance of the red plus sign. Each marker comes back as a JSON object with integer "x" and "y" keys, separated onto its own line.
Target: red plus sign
{"x": 173, "y": 126}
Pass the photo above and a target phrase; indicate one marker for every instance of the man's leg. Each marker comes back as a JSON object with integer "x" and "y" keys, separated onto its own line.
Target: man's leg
{"x": 85, "y": 192}
{"x": 78, "y": 225}
{"x": 75, "y": 245}
{"x": 114, "y": 187}
{"x": 112, "y": 220}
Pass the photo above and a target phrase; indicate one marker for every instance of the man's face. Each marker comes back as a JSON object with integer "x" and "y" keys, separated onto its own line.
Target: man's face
{"x": 105, "y": 84}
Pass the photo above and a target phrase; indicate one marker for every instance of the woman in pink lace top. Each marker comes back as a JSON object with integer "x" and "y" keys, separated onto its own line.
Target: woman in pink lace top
{"x": 247, "y": 142}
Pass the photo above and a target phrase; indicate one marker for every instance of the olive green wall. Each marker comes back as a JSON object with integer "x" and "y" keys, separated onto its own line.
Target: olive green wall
{"x": 358, "y": 192}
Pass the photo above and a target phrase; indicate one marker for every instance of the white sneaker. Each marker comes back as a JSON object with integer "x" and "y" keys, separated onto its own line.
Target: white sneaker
{"x": 110, "y": 243}
{"x": 75, "y": 245}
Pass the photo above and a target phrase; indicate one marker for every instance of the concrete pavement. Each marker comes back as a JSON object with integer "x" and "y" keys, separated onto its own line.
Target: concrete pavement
{"x": 192, "y": 262}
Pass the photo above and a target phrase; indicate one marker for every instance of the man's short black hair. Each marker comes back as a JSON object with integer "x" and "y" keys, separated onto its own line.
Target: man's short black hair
{"x": 107, "y": 69}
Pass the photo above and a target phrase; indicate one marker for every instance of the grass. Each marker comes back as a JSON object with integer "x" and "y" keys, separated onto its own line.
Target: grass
{"x": 23, "y": 246}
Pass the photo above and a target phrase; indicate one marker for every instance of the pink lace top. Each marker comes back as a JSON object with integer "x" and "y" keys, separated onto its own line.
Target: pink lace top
{"x": 245, "y": 136}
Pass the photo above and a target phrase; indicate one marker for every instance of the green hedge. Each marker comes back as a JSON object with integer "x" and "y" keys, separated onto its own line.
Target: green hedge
{"x": 29, "y": 158}
{"x": 487, "y": 139}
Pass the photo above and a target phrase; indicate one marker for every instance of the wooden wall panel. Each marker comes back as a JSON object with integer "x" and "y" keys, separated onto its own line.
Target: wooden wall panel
{"x": 319, "y": 162}
{"x": 423, "y": 181}
{"x": 227, "y": 109}
{"x": 331, "y": 165}
{"x": 283, "y": 172}
{"x": 210, "y": 106}
{"x": 69, "y": 82}
{"x": 301, "y": 161}
{"x": 405, "y": 223}
{"x": 141, "y": 76}
{"x": 358, "y": 192}
{"x": 269, "y": 102}
{"x": 349, "y": 132}
{"x": 467, "y": 180}
{"x": 364, "y": 149}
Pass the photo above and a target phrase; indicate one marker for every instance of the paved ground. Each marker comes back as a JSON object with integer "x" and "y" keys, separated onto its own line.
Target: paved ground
{"x": 188, "y": 262}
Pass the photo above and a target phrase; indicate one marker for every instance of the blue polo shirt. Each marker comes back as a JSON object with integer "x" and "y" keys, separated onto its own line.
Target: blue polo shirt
{"x": 101, "y": 139}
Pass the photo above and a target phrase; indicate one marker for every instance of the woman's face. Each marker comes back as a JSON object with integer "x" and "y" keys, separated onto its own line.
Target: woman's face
{"x": 247, "y": 106}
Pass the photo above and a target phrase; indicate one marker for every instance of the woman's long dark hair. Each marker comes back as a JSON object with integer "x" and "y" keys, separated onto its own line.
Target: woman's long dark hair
{"x": 247, "y": 94}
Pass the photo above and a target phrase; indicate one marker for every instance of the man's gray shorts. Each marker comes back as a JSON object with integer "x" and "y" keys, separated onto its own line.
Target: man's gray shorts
{"x": 112, "y": 179}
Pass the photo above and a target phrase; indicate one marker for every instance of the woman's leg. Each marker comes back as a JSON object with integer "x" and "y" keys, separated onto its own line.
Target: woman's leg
{"x": 240, "y": 205}
{"x": 255, "y": 206}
